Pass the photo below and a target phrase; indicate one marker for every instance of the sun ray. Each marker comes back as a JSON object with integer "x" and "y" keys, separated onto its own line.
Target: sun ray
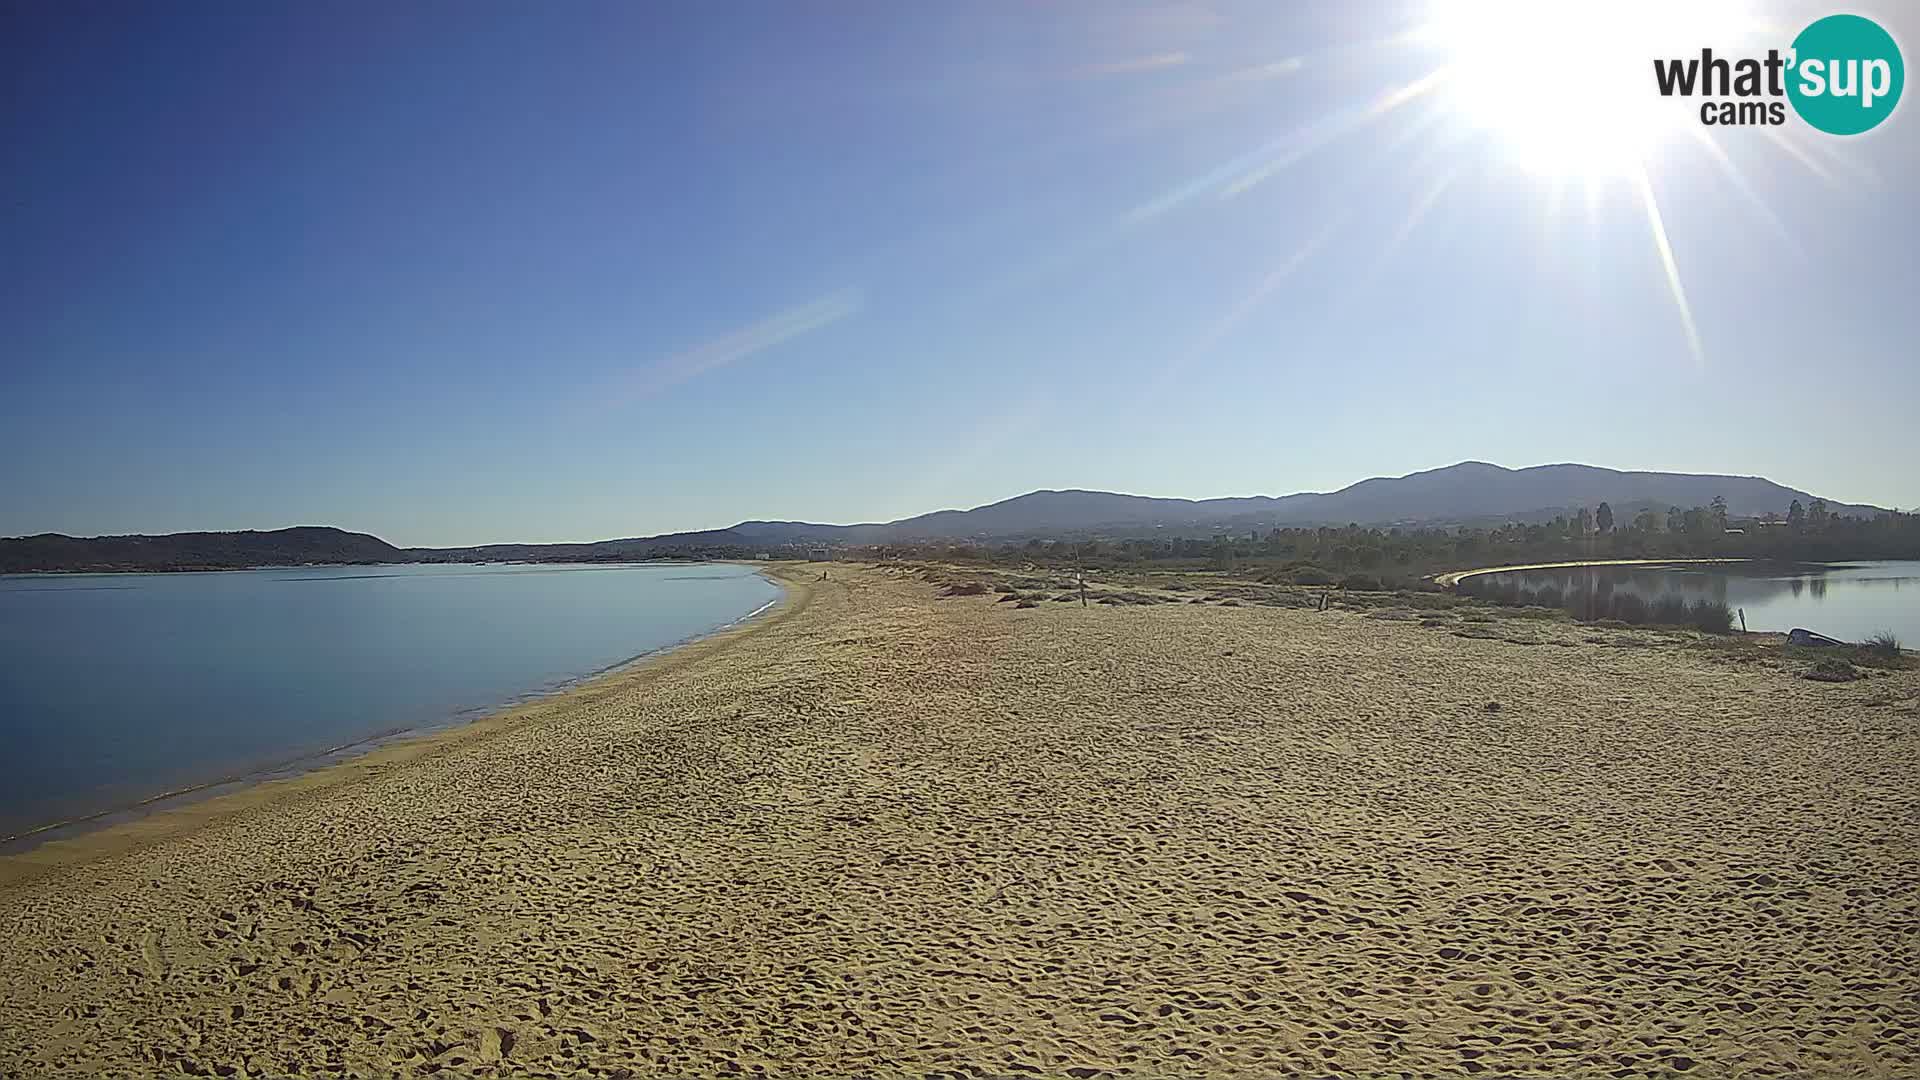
{"x": 1799, "y": 154}
{"x": 1343, "y": 123}
{"x": 1425, "y": 122}
{"x": 1672, "y": 268}
{"x": 1739, "y": 181}
{"x": 1262, "y": 72}
{"x": 1550, "y": 217}
{"x": 1417, "y": 212}
{"x": 667, "y": 372}
{"x": 1412, "y": 91}
{"x": 1422, "y": 206}
{"x": 1238, "y": 313}
{"x": 1836, "y": 159}
{"x": 1135, "y": 65}
{"x": 1556, "y": 196}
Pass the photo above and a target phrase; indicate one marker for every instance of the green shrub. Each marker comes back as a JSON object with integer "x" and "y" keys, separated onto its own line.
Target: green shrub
{"x": 1884, "y": 644}
{"x": 1669, "y": 610}
{"x": 1711, "y": 616}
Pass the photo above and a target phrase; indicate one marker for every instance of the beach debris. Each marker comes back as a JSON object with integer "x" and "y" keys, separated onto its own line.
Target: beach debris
{"x": 1493, "y": 706}
{"x": 1802, "y": 636}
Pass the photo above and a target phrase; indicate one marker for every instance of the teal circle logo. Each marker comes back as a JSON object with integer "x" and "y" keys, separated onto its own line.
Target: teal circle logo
{"x": 1846, "y": 76}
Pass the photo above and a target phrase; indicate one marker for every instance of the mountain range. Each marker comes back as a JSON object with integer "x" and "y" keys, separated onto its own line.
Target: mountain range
{"x": 1469, "y": 492}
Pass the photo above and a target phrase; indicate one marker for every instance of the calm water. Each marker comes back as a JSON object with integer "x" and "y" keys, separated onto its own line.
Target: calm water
{"x": 1849, "y": 601}
{"x": 116, "y": 687}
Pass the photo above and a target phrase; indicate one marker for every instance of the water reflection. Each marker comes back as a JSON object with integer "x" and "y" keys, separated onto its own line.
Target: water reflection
{"x": 1844, "y": 599}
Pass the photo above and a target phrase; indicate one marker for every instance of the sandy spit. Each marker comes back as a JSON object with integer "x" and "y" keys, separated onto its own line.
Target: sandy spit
{"x": 885, "y": 834}
{"x": 1455, "y": 577}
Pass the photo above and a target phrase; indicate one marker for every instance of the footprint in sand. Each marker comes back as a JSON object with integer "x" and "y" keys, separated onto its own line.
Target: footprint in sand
{"x": 153, "y": 952}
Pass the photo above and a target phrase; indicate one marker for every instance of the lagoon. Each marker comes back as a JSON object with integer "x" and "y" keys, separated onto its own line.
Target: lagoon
{"x": 118, "y": 687}
{"x": 1850, "y": 601}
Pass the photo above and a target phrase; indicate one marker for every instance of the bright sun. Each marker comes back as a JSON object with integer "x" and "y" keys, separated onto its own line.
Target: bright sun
{"x": 1566, "y": 88}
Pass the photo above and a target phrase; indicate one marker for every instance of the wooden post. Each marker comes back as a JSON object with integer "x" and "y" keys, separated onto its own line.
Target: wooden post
{"x": 1743, "y": 620}
{"x": 1083, "y": 588}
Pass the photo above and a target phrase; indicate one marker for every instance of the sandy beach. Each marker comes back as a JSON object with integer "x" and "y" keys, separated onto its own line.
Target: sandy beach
{"x": 882, "y": 832}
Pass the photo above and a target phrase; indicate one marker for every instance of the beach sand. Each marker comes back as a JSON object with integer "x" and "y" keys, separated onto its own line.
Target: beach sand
{"x": 880, "y": 833}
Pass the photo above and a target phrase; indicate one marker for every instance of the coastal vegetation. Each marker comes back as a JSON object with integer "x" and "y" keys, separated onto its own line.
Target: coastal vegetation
{"x": 1389, "y": 529}
{"x": 1360, "y": 560}
{"x": 1400, "y": 556}
{"x": 193, "y": 551}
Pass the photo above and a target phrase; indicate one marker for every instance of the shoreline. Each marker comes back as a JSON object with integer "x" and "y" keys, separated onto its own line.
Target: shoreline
{"x": 169, "y": 813}
{"x": 1454, "y": 577}
{"x": 116, "y": 571}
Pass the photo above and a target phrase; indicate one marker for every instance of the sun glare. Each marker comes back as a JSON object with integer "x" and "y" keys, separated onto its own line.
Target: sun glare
{"x": 1566, "y": 88}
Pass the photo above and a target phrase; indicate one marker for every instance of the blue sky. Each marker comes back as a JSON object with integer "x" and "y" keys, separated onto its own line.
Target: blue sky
{"x": 460, "y": 273}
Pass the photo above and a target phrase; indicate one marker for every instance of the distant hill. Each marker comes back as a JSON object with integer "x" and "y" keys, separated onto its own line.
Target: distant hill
{"x": 1477, "y": 489}
{"x": 1472, "y": 491}
{"x": 1469, "y": 491}
{"x": 194, "y": 551}
{"x": 709, "y": 542}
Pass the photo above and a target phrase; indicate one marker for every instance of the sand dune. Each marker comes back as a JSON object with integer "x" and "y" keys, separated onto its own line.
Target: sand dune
{"x": 886, "y": 834}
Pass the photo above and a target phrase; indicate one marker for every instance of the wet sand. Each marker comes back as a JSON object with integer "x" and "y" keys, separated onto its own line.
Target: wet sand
{"x": 885, "y": 834}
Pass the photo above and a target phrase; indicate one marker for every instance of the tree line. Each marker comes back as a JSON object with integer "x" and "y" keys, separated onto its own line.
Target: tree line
{"x": 1401, "y": 555}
